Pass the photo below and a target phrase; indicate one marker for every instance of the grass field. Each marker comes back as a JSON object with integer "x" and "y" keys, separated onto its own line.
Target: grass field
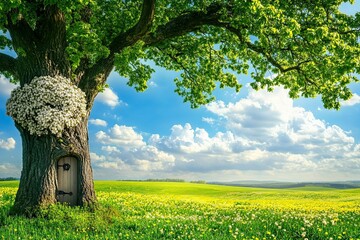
{"x": 163, "y": 210}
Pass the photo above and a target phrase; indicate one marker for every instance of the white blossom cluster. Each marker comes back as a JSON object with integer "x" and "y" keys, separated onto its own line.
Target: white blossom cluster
{"x": 47, "y": 105}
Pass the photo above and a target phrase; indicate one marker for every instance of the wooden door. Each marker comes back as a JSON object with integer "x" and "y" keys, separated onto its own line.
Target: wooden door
{"x": 67, "y": 180}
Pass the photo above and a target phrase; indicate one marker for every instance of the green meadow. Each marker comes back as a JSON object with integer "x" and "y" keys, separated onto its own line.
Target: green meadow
{"x": 165, "y": 210}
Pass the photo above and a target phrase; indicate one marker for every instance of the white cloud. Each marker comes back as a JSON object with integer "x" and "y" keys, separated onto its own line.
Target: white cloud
{"x": 98, "y": 122}
{"x": 148, "y": 158}
{"x": 7, "y": 144}
{"x": 111, "y": 165}
{"x": 96, "y": 158}
{"x": 5, "y": 86}
{"x": 265, "y": 136}
{"x": 266, "y": 117}
{"x": 110, "y": 149}
{"x": 352, "y": 101}
{"x": 121, "y": 135}
{"x": 264, "y": 132}
{"x": 208, "y": 120}
{"x": 109, "y": 98}
{"x": 9, "y": 170}
{"x": 152, "y": 84}
{"x": 258, "y": 114}
{"x": 186, "y": 140}
{"x": 125, "y": 149}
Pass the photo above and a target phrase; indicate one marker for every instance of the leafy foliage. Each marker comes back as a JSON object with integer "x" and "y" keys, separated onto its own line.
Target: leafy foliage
{"x": 309, "y": 47}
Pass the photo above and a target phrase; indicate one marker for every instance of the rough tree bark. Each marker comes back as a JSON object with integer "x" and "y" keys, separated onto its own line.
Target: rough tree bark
{"x": 45, "y": 55}
{"x": 38, "y": 183}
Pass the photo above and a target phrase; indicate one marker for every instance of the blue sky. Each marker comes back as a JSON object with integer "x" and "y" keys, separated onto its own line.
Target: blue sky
{"x": 241, "y": 136}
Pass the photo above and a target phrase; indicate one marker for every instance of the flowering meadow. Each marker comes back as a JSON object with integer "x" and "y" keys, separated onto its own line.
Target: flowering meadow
{"x": 158, "y": 210}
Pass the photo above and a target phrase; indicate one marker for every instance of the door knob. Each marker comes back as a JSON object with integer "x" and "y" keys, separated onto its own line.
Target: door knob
{"x": 66, "y": 166}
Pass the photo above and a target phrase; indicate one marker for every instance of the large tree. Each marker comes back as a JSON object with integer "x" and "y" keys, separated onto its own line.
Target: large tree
{"x": 309, "y": 47}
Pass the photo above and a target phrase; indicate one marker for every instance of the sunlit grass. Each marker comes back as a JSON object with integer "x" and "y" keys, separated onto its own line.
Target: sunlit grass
{"x": 151, "y": 210}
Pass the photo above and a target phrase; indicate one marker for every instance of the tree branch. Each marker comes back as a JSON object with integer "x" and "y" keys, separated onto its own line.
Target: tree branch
{"x": 181, "y": 25}
{"x": 135, "y": 33}
{"x": 262, "y": 51}
{"x": 8, "y": 64}
{"x": 192, "y": 21}
{"x": 184, "y": 24}
{"x": 103, "y": 67}
{"x": 21, "y": 33}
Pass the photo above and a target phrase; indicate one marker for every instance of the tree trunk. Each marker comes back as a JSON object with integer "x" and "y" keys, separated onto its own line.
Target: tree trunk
{"x": 38, "y": 183}
{"x": 43, "y": 53}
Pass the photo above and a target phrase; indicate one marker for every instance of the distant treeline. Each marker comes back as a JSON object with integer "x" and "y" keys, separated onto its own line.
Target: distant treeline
{"x": 199, "y": 181}
{"x": 285, "y": 185}
{"x": 166, "y": 180}
{"x": 8, "y": 179}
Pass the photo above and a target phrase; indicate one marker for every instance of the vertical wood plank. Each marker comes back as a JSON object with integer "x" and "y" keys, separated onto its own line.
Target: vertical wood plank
{"x": 67, "y": 180}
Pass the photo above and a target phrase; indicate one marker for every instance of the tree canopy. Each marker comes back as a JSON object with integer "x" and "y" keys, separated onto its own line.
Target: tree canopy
{"x": 308, "y": 46}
